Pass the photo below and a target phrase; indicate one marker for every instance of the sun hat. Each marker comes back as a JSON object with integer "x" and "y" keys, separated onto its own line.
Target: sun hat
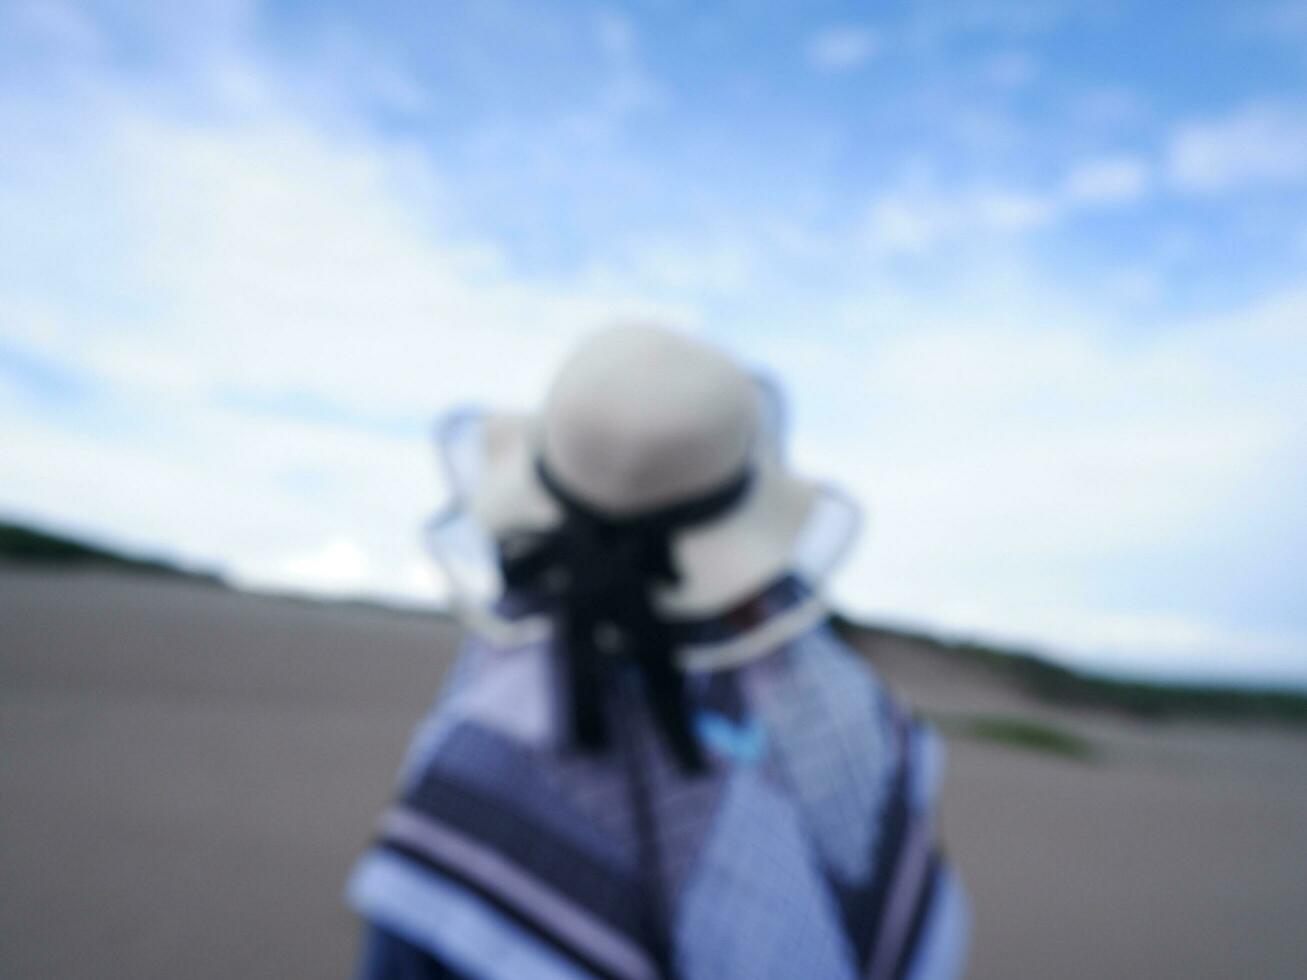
{"x": 639, "y": 419}
{"x": 643, "y": 520}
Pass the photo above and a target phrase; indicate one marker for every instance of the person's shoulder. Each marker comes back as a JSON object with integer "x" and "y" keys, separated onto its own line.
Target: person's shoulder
{"x": 500, "y": 689}
{"x": 823, "y": 657}
{"x": 819, "y": 689}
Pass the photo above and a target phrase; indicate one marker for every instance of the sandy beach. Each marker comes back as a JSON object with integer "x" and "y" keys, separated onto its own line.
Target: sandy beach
{"x": 187, "y": 774}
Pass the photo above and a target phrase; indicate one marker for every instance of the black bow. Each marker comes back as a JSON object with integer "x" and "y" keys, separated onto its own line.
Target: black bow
{"x": 596, "y": 574}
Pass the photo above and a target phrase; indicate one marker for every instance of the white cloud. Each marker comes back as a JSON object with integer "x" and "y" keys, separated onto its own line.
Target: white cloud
{"x": 909, "y": 222}
{"x": 842, "y": 48}
{"x": 1010, "y": 70}
{"x": 1011, "y": 210}
{"x": 1012, "y": 456}
{"x": 916, "y": 218}
{"x": 281, "y": 259}
{"x": 920, "y": 215}
{"x": 190, "y": 266}
{"x": 663, "y": 264}
{"x": 336, "y": 567}
{"x": 1263, "y": 143}
{"x": 1107, "y": 180}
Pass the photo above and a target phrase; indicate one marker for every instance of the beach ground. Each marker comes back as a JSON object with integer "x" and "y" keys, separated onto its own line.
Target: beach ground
{"x": 187, "y": 774}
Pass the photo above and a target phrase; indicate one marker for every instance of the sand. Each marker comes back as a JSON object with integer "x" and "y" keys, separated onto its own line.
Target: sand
{"x": 186, "y": 775}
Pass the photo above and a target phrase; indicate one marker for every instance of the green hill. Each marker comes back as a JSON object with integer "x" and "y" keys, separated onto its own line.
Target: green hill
{"x": 22, "y": 544}
{"x": 1057, "y": 684}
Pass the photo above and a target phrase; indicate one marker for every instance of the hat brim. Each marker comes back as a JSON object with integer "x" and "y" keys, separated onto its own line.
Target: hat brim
{"x": 719, "y": 562}
{"x": 784, "y": 525}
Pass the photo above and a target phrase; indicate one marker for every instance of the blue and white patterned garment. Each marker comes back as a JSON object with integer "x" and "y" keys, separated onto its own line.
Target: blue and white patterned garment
{"x": 807, "y": 850}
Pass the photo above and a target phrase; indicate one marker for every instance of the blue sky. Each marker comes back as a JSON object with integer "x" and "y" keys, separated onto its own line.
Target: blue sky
{"x": 1033, "y": 274}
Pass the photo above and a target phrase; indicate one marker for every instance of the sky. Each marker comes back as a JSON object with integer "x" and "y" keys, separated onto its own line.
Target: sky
{"x": 1032, "y": 275}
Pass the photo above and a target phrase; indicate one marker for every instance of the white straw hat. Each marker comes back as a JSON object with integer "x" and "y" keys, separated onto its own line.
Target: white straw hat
{"x": 640, "y": 419}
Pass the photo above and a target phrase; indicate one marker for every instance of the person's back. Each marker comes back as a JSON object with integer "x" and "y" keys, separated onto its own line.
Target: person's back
{"x": 766, "y": 812}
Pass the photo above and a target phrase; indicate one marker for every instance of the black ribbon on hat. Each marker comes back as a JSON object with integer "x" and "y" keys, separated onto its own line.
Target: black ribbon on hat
{"x": 596, "y": 575}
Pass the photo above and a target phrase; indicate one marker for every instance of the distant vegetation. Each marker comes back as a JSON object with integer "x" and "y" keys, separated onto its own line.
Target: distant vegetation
{"x": 1021, "y": 733}
{"x": 22, "y": 544}
{"x": 1056, "y": 684}
{"x": 28, "y": 545}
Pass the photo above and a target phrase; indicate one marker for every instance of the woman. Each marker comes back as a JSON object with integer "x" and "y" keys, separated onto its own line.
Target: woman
{"x": 654, "y": 757}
